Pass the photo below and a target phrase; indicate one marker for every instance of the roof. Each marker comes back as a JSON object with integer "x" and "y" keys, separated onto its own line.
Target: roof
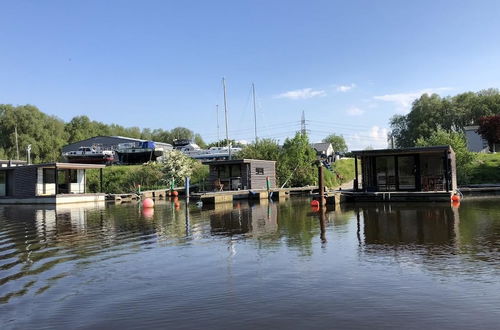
{"x": 414, "y": 150}
{"x": 11, "y": 161}
{"x": 236, "y": 161}
{"x": 68, "y": 166}
{"x": 321, "y": 146}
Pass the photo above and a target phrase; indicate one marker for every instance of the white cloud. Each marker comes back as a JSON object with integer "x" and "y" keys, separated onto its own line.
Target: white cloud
{"x": 301, "y": 94}
{"x": 403, "y": 101}
{"x": 353, "y": 111}
{"x": 375, "y": 137}
{"x": 345, "y": 88}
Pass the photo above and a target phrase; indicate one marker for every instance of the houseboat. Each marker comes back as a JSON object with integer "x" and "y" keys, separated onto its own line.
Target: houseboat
{"x": 242, "y": 174}
{"x": 51, "y": 183}
{"x": 421, "y": 173}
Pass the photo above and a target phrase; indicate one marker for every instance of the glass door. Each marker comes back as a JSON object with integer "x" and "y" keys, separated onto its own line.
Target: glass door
{"x": 407, "y": 169}
{"x": 385, "y": 173}
{"x": 3, "y": 183}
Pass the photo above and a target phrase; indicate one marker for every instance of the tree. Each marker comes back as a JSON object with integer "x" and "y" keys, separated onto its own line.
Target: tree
{"x": 295, "y": 165}
{"x": 457, "y": 141}
{"x": 337, "y": 141}
{"x": 44, "y": 133}
{"x": 267, "y": 149}
{"x": 430, "y": 113}
{"x": 489, "y": 129}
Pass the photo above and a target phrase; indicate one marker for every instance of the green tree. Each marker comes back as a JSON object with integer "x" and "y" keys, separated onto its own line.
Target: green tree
{"x": 337, "y": 141}
{"x": 44, "y": 133}
{"x": 267, "y": 149}
{"x": 295, "y": 165}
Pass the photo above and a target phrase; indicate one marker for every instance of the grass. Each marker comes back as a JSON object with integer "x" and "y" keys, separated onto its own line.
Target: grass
{"x": 342, "y": 171}
{"x": 485, "y": 169}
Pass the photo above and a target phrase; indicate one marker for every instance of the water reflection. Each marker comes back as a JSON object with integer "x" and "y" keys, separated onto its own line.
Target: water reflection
{"x": 401, "y": 224}
{"x": 263, "y": 257}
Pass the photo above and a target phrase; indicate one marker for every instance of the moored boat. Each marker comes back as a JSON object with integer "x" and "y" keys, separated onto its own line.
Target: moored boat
{"x": 89, "y": 155}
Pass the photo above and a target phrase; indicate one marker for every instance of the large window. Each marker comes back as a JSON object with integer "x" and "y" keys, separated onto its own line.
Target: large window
{"x": 49, "y": 175}
{"x": 259, "y": 170}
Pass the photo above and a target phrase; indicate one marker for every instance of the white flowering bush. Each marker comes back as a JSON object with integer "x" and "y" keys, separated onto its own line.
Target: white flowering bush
{"x": 177, "y": 166}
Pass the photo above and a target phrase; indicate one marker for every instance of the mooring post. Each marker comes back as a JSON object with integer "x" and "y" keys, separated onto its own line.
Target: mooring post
{"x": 186, "y": 187}
{"x": 322, "y": 224}
{"x": 321, "y": 186}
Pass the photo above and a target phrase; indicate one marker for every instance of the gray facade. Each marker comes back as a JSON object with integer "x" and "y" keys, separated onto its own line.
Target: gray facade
{"x": 475, "y": 142}
{"x": 242, "y": 174}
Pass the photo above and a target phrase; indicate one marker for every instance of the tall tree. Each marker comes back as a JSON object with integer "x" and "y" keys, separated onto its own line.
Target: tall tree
{"x": 337, "y": 141}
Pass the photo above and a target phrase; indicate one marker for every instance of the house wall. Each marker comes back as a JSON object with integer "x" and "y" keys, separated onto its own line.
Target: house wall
{"x": 79, "y": 187}
{"x": 23, "y": 182}
{"x": 50, "y": 188}
{"x": 475, "y": 142}
{"x": 258, "y": 181}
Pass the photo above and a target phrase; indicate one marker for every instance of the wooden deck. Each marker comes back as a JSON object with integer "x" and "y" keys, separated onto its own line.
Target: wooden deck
{"x": 397, "y": 196}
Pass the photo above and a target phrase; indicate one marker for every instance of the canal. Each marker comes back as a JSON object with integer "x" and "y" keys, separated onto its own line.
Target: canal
{"x": 276, "y": 265}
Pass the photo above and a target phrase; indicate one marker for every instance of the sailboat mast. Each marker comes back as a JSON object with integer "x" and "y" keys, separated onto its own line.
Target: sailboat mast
{"x": 225, "y": 116}
{"x": 254, "y": 112}
{"x": 218, "y": 131}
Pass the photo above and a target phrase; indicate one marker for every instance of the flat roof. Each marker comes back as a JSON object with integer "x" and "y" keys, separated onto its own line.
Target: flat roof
{"x": 236, "y": 161}
{"x": 69, "y": 166}
{"x": 414, "y": 150}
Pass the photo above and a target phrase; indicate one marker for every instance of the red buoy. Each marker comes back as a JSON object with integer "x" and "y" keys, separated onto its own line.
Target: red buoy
{"x": 314, "y": 203}
{"x": 455, "y": 198}
{"x": 148, "y": 203}
{"x": 175, "y": 193}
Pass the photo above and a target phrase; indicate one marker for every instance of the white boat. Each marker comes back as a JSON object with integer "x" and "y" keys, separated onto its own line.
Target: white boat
{"x": 90, "y": 155}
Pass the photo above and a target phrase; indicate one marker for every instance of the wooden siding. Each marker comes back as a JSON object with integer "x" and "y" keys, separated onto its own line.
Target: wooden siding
{"x": 24, "y": 181}
{"x": 258, "y": 181}
{"x": 248, "y": 173}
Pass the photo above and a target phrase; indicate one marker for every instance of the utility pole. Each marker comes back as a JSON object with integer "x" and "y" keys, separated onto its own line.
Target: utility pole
{"x": 29, "y": 154}
{"x": 254, "y": 112}
{"x": 225, "y": 115}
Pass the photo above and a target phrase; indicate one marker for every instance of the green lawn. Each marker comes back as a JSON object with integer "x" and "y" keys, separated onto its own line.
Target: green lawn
{"x": 486, "y": 169}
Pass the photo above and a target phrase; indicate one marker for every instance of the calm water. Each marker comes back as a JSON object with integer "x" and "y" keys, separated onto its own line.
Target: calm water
{"x": 276, "y": 265}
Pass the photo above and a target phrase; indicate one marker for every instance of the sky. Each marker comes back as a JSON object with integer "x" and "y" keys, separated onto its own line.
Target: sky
{"x": 348, "y": 65}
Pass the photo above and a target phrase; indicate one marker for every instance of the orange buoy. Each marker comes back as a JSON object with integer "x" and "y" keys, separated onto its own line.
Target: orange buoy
{"x": 175, "y": 193}
{"x": 314, "y": 203}
{"x": 148, "y": 203}
{"x": 455, "y": 198}
{"x": 315, "y": 208}
{"x": 455, "y": 204}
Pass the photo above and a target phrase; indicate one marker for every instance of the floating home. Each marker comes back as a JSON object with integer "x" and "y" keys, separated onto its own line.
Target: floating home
{"x": 422, "y": 173}
{"x": 241, "y": 174}
{"x": 51, "y": 183}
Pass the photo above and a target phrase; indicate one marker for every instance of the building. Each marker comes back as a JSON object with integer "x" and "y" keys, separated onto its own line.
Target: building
{"x": 242, "y": 174}
{"x": 324, "y": 150}
{"x": 422, "y": 169}
{"x": 475, "y": 142}
{"x": 51, "y": 183}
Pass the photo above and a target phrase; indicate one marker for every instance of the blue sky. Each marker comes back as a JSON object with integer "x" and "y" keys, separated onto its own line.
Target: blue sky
{"x": 349, "y": 65}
